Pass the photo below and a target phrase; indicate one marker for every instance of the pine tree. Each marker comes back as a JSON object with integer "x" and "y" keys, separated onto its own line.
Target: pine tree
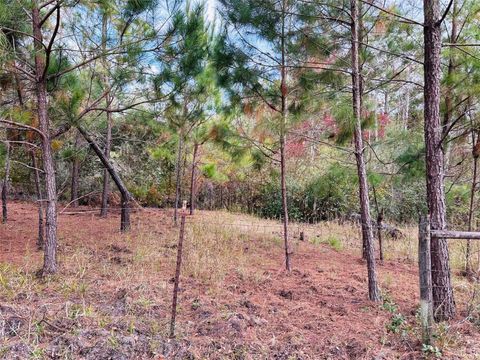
{"x": 187, "y": 79}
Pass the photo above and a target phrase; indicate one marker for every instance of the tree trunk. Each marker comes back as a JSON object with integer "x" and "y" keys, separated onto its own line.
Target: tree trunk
{"x": 38, "y": 183}
{"x": 379, "y": 233}
{"x": 449, "y": 96}
{"x": 75, "y": 173}
{"x": 178, "y": 172}
{"x": 5, "y": 184}
{"x": 473, "y": 188}
{"x": 379, "y": 224}
{"x": 407, "y": 110}
{"x": 284, "y": 109}
{"x": 108, "y": 136}
{"x": 193, "y": 178}
{"x": 443, "y": 301}
{"x": 106, "y": 177}
{"x": 38, "y": 190}
{"x": 50, "y": 246}
{"x": 126, "y": 196}
{"x": 360, "y": 35}
{"x": 367, "y": 234}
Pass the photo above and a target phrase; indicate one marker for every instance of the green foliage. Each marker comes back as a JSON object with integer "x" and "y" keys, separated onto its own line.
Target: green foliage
{"x": 149, "y": 195}
{"x": 332, "y": 194}
{"x": 396, "y": 323}
{"x": 458, "y": 201}
{"x": 388, "y": 303}
{"x": 335, "y": 243}
{"x": 431, "y": 350}
{"x": 327, "y": 196}
{"x": 210, "y": 171}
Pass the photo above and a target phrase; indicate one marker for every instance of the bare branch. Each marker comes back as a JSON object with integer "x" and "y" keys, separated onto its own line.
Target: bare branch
{"x": 23, "y": 126}
{"x": 402, "y": 18}
{"x": 439, "y": 22}
{"x": 48, "y": 51}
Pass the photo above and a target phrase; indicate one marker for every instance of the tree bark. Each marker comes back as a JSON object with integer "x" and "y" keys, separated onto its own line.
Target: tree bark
{"x": 50, "y": 246}
{"x": 379, "y": 224}
{"x": 36, "y": 170}
{"x": 473, "y": 188}
{"x": 379, "y": 232}
{"x": 178, "y": 172}
{"x": 284, "y": 109}
{"x": 75, "y": 173}
{"x": 108, "y": 135}
{"x": 126, "y": 196}
{"x": 443, "y": 301}
{"x": 193, "y": 179}
{"x": 38, "y": 189}
{"x": 360, "y": 35}
{"x": 367, "y": 234}
{"x": 5, "y": 184}
{"x": 449, "y": 108}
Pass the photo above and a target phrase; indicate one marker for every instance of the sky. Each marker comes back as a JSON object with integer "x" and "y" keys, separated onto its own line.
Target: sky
{"x": 211, "y": 6}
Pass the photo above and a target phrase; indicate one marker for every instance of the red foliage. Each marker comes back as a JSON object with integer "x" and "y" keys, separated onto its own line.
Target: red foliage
{"x": 295, "y": 148}
{"x": 330, "y": 124}
{"x": 383, "y": 121}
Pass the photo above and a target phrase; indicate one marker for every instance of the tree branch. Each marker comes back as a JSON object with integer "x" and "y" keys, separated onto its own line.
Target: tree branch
{"x": 48, "y": 51}
{"x": 439, "y": 22}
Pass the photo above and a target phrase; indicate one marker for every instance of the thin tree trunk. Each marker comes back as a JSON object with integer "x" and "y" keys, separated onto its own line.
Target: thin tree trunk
{"x": 75, "y": 173}
{"x": 360, "y": 34}
{"x": 50, "y": 248}
{"x": 38, "y": 189}
{"x": 108, "y": 135}
{"x": 367, "y": 235}
{"x": 177, "y": 274}
{"x": 126, "y": 196}
{"x": 379, "y": 232}
{"x": 379, "y": 224}
{"x": 178, "y": 172}
{"x": 407, "y": 110}
{"x": 449, "y": 107}
{"x": 443, "y": 301}
{"x": 284, "y": 109}
{"x": 473, "y": 188}
{"x": 5, "y": 184}
{"x": 36, "y": 170}
{"x": 193, "y": 179}
{"x": 184, "y": 172}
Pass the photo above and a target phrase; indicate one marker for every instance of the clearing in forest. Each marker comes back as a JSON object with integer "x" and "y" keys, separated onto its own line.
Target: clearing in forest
{"x": 112, "y": 299}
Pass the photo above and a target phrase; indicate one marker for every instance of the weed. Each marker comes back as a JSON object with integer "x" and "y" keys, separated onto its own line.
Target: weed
{"x": 396, "y": 323}
{"x": 335, "y": 243}
{"x": 113, "y": 341}
{"x": 74, "y": 311}
{"x": 445, "y": 336}
{"x": 431, "y": 350}
{"x": 104, "y": 321}
{"x": 196, "y": 304}
{"x": 388, "y": 304}
{"x": 131, "y": 327}
{"x": 37, "y": 353}
{"x": 332, "y": 240}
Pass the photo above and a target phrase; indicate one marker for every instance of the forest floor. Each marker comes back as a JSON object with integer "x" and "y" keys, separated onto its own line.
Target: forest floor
{"x": 112, "y": 296}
